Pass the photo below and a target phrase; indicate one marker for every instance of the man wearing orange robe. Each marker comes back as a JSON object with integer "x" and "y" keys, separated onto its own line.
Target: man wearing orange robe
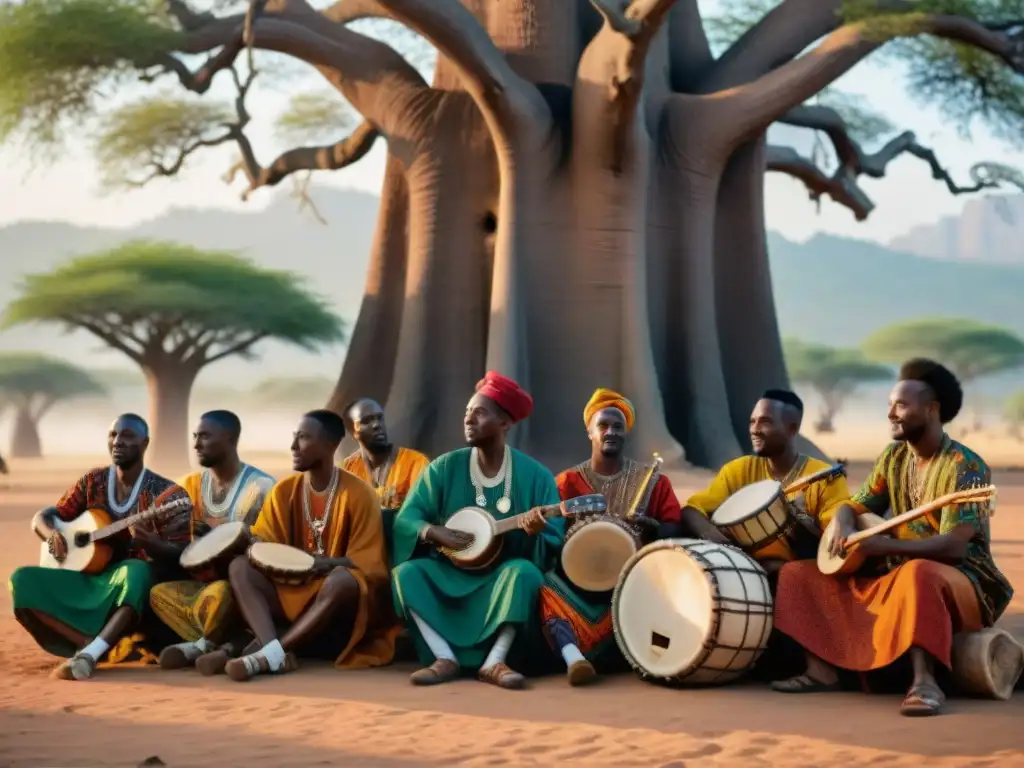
{"x": 936, "y": 577}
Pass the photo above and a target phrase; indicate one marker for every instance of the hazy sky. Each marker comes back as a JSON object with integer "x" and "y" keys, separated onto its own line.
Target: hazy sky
{"x": 907, "y": 197}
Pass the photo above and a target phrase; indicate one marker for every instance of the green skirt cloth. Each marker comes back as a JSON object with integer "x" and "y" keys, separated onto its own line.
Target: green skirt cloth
{"x": 82, "y": 601}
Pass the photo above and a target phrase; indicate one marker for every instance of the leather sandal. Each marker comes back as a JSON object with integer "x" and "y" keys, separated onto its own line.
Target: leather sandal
{"x": 922, "y": 701}
{"x": 81, "y": 666}
{"x": 441, "y": 671}
{"x": 503, "y": 676}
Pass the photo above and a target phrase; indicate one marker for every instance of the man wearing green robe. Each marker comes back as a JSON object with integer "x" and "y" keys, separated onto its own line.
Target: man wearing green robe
{"x": 470, "y": 619}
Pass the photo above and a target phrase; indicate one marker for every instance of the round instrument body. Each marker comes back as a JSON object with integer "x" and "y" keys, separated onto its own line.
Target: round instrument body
{"x": 595, "y": 550}
{"x": 480, "y": 523}
{"x": 208, "y": 556}
{"x": 692, "y": 612}
{"x": 284, "y": 564}
{"x": 755, "y": 516}
{"x": 834, "y": 565}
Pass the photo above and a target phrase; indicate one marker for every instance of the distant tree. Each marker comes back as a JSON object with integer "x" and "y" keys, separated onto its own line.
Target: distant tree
{"x": 175, "y": 310}
{"x": 969, "y": 348}
{"x": 1013, "y": 412}
{"x": 31, "y": 384}
{"x": 305, "y": 391}
{"x": 833, "y": 373}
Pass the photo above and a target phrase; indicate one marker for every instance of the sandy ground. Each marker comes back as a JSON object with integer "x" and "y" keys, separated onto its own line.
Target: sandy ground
{"x": 317, "y": 716}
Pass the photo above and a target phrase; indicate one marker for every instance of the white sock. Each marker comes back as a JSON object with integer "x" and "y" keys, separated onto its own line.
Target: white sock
{"x": 437, "y": 644}
{"x": 96, "y": 648}
{"x": 500, "y": 649}
{"x": 572, "y": 654}
{"x": 194, "y": 650}
{"x": 204, "y": 646}
{"x": 274, "y": 653}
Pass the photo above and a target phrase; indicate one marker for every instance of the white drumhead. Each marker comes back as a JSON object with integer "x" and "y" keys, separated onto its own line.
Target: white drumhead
{"x": 477, "y": 522}
{"x": 593, "y": 557}
{"x": 280, "y": 556}
{"x": 747, "y": 501}
{"x": 212, "y": 544}
{"x": 664, "y": 600}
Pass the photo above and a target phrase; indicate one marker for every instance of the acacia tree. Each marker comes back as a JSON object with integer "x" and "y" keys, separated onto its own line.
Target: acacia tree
{"x": 575, "y": 200}
{"x": 969, "y": 348}
{"x": 174, "y": 310}
{"x": 31, "y": 384}
{"x": 833, "y": 373}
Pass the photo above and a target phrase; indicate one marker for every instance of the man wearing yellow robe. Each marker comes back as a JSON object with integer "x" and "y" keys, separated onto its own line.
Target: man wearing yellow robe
{"x": 390, "y": 469}
{"x": 774, "y": 426}
{"x": 344, "y": 611}
{"x": 202, "y": 612}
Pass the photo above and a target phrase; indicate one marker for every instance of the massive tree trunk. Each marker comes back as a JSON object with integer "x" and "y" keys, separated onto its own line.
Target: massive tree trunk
{"x": 25, "y": 442}
{"x": 170, "y": 383}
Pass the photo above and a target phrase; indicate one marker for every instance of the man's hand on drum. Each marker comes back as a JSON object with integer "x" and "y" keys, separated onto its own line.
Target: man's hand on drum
{"x": 324, "y": 565}
{"x": 844, "y": 528}
{"x": 532, "y": 522}
{"x": 446, "y": 538}
{"x": 649, "y": 528}
{"x": 200, "y": 529}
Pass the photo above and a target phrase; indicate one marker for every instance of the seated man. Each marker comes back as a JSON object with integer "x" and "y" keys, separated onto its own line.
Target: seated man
{"x": 774, "y": 426}
{"x": 469, "y": 619}
{"x": 344, "y": 612}
{"x": 80, "y": 615}
{"x": 390, "y": 469}
{"x": 203, "y": 613}
{"x": 578, "y": 623}
{"x": 940, "y": 579}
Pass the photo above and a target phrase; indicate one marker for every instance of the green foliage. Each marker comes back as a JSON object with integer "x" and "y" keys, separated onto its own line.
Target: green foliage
{"x": 968, "y": 348}
{"x": 27, "y": 375}
{"x": 831, "y": 370}
{"x": 157, "y": 134}
{"x": 732, "y": 19}
{"x": 287, "y": 390}
{"x": 313, "y": 117}
{"x": 154, "y": 290}
{"x": 60, "y": 57}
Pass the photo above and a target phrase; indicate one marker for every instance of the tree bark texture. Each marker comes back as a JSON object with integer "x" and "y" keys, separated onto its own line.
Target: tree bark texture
{"x": 169, "y": 383}
{"x": 575, "y": 201}
{"x": 25, "y": 442}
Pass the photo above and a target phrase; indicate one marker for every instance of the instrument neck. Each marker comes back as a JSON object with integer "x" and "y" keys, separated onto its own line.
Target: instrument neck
{"x": 925, "y": 509}
{"x": 641, "y": 491}
{"x": 116, "y": 527}
{"x": 511, "y": 523}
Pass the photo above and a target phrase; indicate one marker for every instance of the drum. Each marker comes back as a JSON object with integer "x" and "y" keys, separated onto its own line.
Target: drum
{"x": 286, "y": 565}
{"x": 208, "y": 557}
{"x": 484, "y": 549}
{"x": 595, "y": 550}
{"x": 692, "y": 612}
{"x": 755, "y": 516}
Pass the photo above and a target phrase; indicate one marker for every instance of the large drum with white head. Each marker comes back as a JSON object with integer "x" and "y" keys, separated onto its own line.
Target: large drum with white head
{"x": 208, "y": 557}
{"x": 595, "y": 550}
{"x": 692, "y": 612}
{"x": 755, "y": 516}
{"x": 282, "y": 563}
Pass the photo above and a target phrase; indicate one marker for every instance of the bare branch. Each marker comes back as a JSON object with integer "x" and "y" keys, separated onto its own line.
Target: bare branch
{"x": 239, "y": 347}
{"x": 114, "y": 337}
{"x": 839, "y": 187}
{"x": 689, "y": 51}
{"x": 754, "y": 106}
{"x": 331, "y": 157}
{"x": 347, "y": 11}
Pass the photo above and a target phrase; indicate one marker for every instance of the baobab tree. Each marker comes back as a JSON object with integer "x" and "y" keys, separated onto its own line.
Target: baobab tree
{"x": 577, "y": 197}
{"x": 174, "y": 310}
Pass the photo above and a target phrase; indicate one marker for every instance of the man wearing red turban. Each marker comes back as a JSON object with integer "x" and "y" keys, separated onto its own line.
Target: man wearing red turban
{"x": 461, "y": 619}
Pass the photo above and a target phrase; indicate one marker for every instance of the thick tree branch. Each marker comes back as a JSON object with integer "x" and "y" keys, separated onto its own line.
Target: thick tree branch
{"x": 238, "y": 348}
{"x": 689, "y": 52}
{"x": 111, "y": 335}
{"x": 330, "y": 157}
{"x": 751, "y": 108}
{"x": 839, "y": 187}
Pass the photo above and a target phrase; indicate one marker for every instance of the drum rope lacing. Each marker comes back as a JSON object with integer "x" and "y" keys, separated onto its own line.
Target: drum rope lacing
{"x": 318, "y": 526}
{"x": 481, "y": 481}
{"x": 212, "y": 508}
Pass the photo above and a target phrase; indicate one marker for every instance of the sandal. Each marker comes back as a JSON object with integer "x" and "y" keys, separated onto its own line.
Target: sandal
{"x": 581, "y": 672}
{"x": 804, "y": 684}
{"x": 245, "y": 668}
{"x": 81, "y": 666}
{"x": 922, "y": 701}
{"x": 441, "y": 671}
{"x": 503, "y": 676}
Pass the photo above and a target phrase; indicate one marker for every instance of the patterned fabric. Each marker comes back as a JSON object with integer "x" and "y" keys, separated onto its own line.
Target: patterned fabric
{"x": 246, "y": 505}
{"x": 867, "y": 623}
{"x": 893, "y": 485}
{"x": 822, "y": 499}
{"x": 405, "y": 469}
{"x": 659, "y": 500}
{"x": 194, "y": 609}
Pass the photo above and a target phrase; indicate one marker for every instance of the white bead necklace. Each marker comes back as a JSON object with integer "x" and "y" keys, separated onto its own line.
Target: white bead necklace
{"x": 213, "y": 509}
{"x": 318, "y": 526}
{"x": 122, "y": 509}
{"x": 481, "y": 481}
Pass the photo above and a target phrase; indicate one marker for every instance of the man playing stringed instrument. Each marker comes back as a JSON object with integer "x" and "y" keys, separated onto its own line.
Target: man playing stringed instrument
{"x": 343, "y": 612}
{"x": 226, "y": 489}
{"x": 81, "y": 615}
{"x": 469, "y": 619}
{"x": 390, "y": 469}
{"x": 939, "y": 577}
{"x": 774, "y": 426}
{"x": 578, "y": 623}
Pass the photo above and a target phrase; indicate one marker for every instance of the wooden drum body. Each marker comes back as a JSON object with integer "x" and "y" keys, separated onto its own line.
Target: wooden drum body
{"x": 692, "y": 612}
{"x": 486, "y": 543}
{"x": 281, "y": 563}
{"x": 755, "y": 516}
{"x": 208, "y": 557}
{"x": 849, "y": 564}
{"x": 595, "y": 551}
